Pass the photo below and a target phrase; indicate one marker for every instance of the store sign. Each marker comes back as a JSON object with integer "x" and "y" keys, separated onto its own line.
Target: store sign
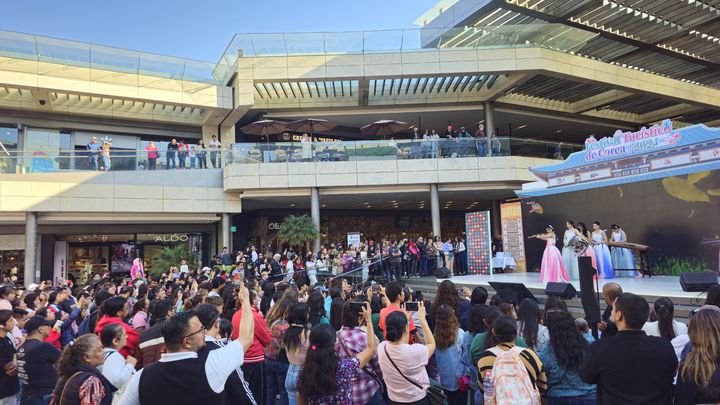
{"x": 175, "y": 237}
{"x": 628, "y": 143}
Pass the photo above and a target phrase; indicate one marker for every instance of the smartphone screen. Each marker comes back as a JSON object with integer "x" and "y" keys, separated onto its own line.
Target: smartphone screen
{"x": 411, "y": 306}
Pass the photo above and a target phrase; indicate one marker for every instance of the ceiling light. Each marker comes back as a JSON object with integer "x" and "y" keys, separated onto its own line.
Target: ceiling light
{"x": 292, "y": 205}
{"x": 368, "y": 206}
{"x": 558, "y": 131}
{"x": 521, "y": 126}
{"x": 324, "y": 205}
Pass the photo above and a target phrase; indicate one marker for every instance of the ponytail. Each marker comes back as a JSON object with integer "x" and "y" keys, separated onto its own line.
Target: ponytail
{"x": 664, "y": 310}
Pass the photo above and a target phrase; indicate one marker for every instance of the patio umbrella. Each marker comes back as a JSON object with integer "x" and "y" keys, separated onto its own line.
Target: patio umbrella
{"x": 384, "y": 127}
{"x": 264, "y": 128}
{"x": 311, "y": 125}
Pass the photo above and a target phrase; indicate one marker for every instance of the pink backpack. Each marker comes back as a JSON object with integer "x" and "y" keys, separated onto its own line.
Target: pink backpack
{"x": 512, "y": 384}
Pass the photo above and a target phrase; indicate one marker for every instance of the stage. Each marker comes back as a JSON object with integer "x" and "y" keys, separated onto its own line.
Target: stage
{"x": 648, "y": 287}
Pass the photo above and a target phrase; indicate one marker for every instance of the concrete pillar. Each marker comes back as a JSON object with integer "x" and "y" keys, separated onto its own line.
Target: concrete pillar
{"x": 30, "y": 247}
{"x": 435, "y": 209}
{"x": 225, "y": 232}
{"x": 315, "y": 213}
{"x": 489, "y": 124}
{"x": 495, "y": 227}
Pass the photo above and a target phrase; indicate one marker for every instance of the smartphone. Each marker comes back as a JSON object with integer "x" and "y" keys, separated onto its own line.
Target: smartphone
{"x": 357, "y": 306}
{"x": 376, "y": 288}
{"x": 461, "y": 292}
{"x": 411, "y": 306}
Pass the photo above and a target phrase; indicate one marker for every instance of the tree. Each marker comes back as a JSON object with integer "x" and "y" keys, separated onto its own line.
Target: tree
{"x": 297, "y": 230}
{"x": 171, "y": 256}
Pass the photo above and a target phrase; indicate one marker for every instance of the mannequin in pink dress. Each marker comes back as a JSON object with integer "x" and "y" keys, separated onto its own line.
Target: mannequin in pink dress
{"x": 552, "y": 268}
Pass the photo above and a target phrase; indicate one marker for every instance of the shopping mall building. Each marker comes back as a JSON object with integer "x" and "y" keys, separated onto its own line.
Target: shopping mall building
{"x": 539, "y": 76}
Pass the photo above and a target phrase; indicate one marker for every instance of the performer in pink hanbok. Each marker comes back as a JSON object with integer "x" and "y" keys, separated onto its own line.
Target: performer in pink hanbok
{"x": 552, "y": 268}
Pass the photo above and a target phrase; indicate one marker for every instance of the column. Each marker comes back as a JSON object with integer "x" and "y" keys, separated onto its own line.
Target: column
{"x": 315, "y": 213}
{"x": 495, "y": 227}
{"x": 489, "y": 125}
{"x": 30, "y": 247}
{"x": 225, "y": 232}
{"x": 435, "y": 209}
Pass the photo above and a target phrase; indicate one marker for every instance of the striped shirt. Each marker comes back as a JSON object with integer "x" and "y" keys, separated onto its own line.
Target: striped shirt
{"x": 529, "y": 358}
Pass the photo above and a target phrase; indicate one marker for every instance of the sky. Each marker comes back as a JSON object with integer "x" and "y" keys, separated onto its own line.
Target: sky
{"x": 199, "y": 30}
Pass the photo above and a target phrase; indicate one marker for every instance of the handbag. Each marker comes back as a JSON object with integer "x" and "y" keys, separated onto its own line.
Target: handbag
{"x": 435, "y": 394}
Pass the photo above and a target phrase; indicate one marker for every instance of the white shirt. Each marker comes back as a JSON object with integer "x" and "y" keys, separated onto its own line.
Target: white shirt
{"x": 253, "y": 256}
{"x": 115, "y": 369}
{"x": 214, "y": 144}
{"x": 184, "y": 268}
{"x": 218, "y": 367}
{"x": 652, "y": 328}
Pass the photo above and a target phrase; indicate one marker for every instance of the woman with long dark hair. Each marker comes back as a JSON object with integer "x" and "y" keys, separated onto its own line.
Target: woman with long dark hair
{"x": 447, "y": 294}
{"x": 316, "y": 309}
{"x": 296, "y": 346}
{"x": 352, "y": 340}
{"x": 665, "y": 326}
{"x": 561, "y": 359}
{"x": 402, "y": 362}
{"x": 324, "y": 378}
{"x": 276, "y": 362}
{"x": 528, "y": 325}
{"x": 486, "y": 340}
{"x": 699, "y": 376}
{"x": 267, "y": 296}
{"x": 336, "y": 313}
{"x": 79, "y": 380}
{"x": 451, "y": 363}
{"x": 504, "y": 332}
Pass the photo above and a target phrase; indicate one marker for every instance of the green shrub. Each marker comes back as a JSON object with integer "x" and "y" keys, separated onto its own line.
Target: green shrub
{"x": 674, "y": 266}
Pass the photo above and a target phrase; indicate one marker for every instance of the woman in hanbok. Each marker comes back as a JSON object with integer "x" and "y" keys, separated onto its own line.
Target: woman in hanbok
{"x": 622, "y": 258}
{"x": 602, "y": 252}
{"x": 589, "y": 251}
{"x": 568, "y": 252}
{"x": 551, "y": 268}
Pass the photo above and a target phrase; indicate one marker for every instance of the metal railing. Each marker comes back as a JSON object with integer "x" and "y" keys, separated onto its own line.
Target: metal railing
{"x": 59, "y": 160}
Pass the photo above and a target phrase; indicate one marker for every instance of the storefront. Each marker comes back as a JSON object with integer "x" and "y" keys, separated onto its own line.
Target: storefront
{"x": 78, "y": 257}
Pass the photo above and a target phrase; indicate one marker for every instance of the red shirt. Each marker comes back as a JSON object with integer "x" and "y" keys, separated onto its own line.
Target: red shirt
{"x": 133, "y": 338}
{"x": 256, "y": 352}
{"x": 387, "y": 311}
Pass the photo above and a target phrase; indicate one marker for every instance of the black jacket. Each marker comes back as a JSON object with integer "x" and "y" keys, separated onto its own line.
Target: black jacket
{"x": 631, "y": 368}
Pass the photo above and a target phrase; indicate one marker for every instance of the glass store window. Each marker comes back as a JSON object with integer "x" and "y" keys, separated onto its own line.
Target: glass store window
{"x": 8, "y": 149}
{"x": 46, "y": 150}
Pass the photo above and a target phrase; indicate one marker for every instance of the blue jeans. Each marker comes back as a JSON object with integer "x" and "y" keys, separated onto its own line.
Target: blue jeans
{"x": 192, "y": 162}
{"x": 93, "y": 162}
{"x": 291, "y": 380}
{"x": 590, "y": 399}
{"x": 275, "y": 374}
{"x": 181, "y": 159}
{"x": 106, "y": 163}
{"x": 170, "y": 160}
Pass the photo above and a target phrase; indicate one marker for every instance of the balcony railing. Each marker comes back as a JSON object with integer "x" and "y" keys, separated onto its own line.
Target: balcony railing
{"x": 41, "y": 161}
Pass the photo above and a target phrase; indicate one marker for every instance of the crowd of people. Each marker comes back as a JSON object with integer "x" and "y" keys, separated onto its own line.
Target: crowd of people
{"x": 390, "y": 259}
{"x": 216, "y": 336}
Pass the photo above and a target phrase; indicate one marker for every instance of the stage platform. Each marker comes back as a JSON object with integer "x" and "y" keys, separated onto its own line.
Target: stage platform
{"x": 656, "y": 286}
{"x": 650, "y": 288}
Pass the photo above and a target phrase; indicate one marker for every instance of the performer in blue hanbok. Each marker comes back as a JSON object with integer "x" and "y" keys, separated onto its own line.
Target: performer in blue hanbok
{"x": 602, "y": 252}
{"x": 622, "y": 258}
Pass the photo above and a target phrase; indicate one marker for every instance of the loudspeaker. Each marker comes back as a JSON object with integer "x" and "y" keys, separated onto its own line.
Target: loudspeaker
{"x": 564, "y": 290}
{"x": 589, "y": 297}
{"x": 442, "y": 272}
{"x": 698, "y": 282}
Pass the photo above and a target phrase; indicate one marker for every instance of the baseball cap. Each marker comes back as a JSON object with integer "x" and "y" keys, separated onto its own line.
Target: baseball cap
{"x": 34, "y": 323}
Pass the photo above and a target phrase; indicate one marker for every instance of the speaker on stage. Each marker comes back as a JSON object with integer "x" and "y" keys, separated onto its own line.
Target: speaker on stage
{"x": 698, "y": 282}
{"x": 564, "y": 290}
{"x": 442, "y": 272}
{"x": 589, "y": 297}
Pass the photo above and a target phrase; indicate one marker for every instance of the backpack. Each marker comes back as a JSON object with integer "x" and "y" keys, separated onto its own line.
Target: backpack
{"x": 512, "y": 384}
{"x": 88, "y": 324}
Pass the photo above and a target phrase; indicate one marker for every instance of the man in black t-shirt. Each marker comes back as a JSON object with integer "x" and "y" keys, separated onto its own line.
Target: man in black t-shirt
{"x": 36, "y": 363}
{"x": 9, "y": 385}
